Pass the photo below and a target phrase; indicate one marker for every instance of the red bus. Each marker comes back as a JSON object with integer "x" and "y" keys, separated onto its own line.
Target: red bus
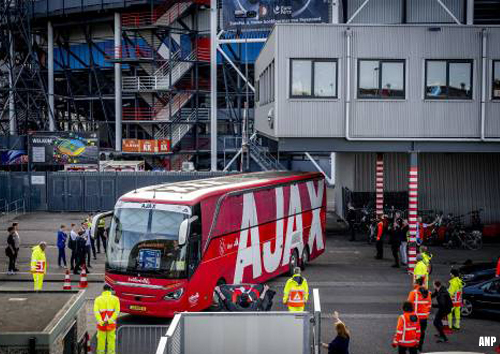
{"x": 169, "y": 245}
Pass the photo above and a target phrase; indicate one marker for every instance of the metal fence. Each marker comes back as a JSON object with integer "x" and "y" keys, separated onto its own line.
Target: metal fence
{"x": 81, "y": 191}
{"x": 132, "y": 339}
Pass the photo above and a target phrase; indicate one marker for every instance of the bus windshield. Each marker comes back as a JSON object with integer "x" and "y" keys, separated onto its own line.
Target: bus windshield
{"x": 145, "y": 241}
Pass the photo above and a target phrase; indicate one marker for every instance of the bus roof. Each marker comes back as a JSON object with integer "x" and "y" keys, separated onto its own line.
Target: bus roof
{"x": 190, "y": 192}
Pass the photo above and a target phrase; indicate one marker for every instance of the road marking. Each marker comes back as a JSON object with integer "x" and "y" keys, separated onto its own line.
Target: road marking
{"x": 349, "y": 283}
{"x": 363, "y": 315}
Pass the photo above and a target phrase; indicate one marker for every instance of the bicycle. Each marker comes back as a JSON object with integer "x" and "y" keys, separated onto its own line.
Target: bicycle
{"x": 461, "y": 238}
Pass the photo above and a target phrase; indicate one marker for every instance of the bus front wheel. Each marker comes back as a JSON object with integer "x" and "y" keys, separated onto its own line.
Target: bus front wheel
{"x": 305, "y": 258}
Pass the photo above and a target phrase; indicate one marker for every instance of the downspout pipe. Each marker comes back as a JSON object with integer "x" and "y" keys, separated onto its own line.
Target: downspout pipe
{"x": 484, "y": 87}
{"x": 348, "y": 104}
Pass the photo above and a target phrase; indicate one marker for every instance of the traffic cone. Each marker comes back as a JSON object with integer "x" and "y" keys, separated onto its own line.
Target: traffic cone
{"x": 67, "y": 281}
{"x": 83, "y": 278}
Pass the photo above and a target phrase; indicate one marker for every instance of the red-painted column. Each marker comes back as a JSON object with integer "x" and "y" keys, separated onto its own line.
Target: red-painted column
{"x": 379, "y": 184}
{"x": 413, "y": 210}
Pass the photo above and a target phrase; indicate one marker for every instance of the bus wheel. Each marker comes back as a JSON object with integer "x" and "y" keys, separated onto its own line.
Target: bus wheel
{"x": 215, "y": 299}
{"x": 305, "y": 258}
{"x": 294, "y": 261}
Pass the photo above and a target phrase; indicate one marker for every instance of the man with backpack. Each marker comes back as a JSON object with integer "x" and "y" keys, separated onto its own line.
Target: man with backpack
{"x": 444, "y": 305}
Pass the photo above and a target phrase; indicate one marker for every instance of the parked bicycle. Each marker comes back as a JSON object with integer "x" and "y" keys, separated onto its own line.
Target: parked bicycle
{"x": 460, "y": 237}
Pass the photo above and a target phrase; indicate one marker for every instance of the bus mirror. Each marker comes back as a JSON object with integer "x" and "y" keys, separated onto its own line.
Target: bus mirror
{"x": 183, "y": 232}
{"x": 184, "y": 229}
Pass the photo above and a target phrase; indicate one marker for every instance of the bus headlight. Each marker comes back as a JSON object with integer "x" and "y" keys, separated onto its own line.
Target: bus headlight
{"x": 174, "y": 295}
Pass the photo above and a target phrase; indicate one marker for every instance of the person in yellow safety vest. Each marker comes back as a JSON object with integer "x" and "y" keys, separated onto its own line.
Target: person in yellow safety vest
{"x": 38, "y": 265}
{"x": 426, "y": 257}
{"x": 455, "y": 291}
{"x": 296, "y": 292}
{"x": 421, "y": 271}
{"x": 106, "y": 311}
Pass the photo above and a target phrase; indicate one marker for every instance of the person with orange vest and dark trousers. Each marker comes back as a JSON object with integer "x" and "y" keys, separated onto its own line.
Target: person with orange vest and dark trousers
{"x": 420, "y": 297}
{"x": 106, "y": 311}
{"x": 379, "y": 244}
{"x": 407, "y": 336}
{"x": 296, "y": 292}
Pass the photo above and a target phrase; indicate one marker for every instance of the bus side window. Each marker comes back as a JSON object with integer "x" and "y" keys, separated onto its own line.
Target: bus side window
{"x": 195, "y": 242}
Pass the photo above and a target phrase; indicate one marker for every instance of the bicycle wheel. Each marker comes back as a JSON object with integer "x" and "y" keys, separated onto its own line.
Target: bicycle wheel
{"x": 474, "y": 240}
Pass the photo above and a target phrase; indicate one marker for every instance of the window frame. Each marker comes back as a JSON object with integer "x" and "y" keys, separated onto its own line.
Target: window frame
{"x": 470, "y": 97}
{"x": 380, "y": 62}
{"x": 493, "y": 97}
{"x": 313, "y": 68}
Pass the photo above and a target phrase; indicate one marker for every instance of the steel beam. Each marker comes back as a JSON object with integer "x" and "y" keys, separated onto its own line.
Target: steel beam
{"x": 213, "y": 84}
{"x": 470, "y": 12}
{"x": 50, "y": 78}
{"x": 448, "y": 11}
{"x": 118, "y": 83}
{"x": 358, "y": 11}
{"x": 12, "y": 108}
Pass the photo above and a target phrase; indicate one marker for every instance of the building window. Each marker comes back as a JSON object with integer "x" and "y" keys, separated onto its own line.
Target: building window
{"x": 496, "y": 80}
{"x": 266, "y": 85}
{"x": 313, "y": 78}
{"x": 448, "y": 79}
{"x": 381, "y": 79}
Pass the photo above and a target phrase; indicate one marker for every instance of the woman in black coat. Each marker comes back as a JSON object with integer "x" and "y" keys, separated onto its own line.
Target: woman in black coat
{"x": 340, "y": 345}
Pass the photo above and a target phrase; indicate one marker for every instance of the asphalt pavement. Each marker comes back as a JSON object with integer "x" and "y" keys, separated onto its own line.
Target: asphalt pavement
{"x": 367, "y": 293}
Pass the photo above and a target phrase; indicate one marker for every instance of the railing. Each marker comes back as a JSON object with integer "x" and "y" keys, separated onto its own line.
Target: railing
{"x": 133, "y": 339}
{"x": 128, "y": 51}
{"x": 163, "y": 79}
{"x": 159, "y": 16}
{"x": 262, "y": 156}
{"x": 157, "y": 113}
{"x": 15, "y": 207}
{"x": 180, "y": 127}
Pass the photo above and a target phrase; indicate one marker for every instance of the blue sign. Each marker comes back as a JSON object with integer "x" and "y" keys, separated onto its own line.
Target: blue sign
{"x": 149, "y": 259}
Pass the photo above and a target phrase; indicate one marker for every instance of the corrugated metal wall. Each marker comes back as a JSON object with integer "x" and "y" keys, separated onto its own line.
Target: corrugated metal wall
{"x": 456, "y": 183}
{"x": 425, "y": 11}
{"x": 376, "y": 11}
{"x": 413, "y": 117}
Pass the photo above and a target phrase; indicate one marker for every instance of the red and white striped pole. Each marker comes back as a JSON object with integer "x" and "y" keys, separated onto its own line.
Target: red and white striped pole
{"x": 413, "y": 210}
{"x": 379, "y": 184}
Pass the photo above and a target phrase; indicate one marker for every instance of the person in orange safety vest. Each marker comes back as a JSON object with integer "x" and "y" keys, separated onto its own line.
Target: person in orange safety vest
{"x": 296, "y": 292}
{"x": 379, "y": 244}
{"x": 106, "y": 311}
{"x": 420, "y": 297}
{"x": 407, "y": 336}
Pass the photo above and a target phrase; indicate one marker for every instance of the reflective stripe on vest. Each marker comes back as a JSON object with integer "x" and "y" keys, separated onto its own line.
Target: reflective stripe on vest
{"x": 106, "y": 315}
{"x": 411, "y": 330}
{"x": 296, "y": 298}
{"x": 39, "y": 267}
{"x": 457, "y": 299}
{"x": 421, "y": 306}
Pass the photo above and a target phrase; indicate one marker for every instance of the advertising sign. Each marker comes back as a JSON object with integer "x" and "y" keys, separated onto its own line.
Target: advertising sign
{"x": 145, "y": 145}
{"x": 13, "y": 157}
{"x": 62, "y": 148}
{"x": 269, "y": 12}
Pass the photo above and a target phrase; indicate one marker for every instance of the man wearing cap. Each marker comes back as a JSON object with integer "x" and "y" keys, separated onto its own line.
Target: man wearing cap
{"x": 296, "y": 292}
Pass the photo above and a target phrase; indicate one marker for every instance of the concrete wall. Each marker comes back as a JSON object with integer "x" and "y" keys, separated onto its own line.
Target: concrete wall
{"x": 413, "y": 117}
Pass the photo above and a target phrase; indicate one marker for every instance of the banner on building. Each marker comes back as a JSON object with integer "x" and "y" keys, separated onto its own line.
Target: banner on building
{"x": 60, "y": 148}
{"x": 146, "y": 145}
{"x": 269, "y": 12}
{"x": 13, "y": 157}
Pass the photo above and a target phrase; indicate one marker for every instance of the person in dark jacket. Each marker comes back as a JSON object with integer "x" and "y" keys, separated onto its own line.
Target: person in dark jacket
{"x": 444, "y": 306}
{"x": 394, "y": 238}
{"x": 10, "y": 251}
{"x": 81, "y": 251}
{"x": 62, "y": 236}
{"x": 246, "y": 300}
{"x": 351, "y": 220}
{"x": 339, "y": 345}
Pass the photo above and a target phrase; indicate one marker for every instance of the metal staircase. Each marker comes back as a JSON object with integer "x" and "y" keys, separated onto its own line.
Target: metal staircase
{"x": 181, "y": 125}
{"x": 261, "y": 155}
{"x": 163, "y": 78}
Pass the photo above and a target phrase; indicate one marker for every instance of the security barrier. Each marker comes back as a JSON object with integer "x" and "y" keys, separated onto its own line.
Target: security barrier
{"x": 251, "y": 332}
{"x": 131, "y": 339}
